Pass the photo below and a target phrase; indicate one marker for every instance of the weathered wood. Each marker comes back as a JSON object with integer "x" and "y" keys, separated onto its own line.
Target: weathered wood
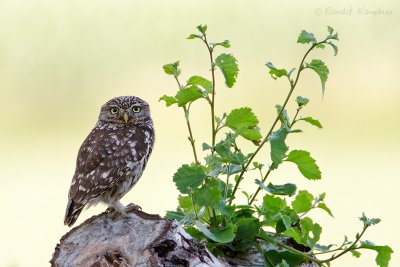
{"x": 140, "y": 240}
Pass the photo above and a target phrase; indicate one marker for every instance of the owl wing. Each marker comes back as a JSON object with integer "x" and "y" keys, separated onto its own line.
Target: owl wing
{"x": 104, "y": 157}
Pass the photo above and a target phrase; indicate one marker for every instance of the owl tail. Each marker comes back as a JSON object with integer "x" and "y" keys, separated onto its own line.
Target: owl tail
{"x": 72, "y": 212}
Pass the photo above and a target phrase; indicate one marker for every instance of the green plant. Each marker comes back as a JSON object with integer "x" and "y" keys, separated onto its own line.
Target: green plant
{"x": 208, "y": 189}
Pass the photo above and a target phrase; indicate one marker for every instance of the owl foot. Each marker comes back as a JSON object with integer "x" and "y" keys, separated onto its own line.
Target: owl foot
{"x": 132, "y": 207}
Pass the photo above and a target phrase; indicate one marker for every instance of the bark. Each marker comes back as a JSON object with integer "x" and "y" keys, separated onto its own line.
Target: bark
{"x": 140, "y": 240}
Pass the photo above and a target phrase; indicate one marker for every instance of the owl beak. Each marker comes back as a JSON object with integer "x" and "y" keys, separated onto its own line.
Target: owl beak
{"x": 126, "y": 118}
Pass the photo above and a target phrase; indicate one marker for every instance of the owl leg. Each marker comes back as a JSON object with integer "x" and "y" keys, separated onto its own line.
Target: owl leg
{"x": 132, "y": 207}
{"x": 118, "y": 210}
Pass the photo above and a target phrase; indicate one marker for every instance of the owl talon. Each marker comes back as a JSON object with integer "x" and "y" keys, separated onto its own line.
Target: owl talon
{"x": 132, "y": 207}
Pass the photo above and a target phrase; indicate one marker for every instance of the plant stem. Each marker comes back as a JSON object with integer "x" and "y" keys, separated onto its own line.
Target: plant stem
{"x": 259, "y": 188}
{"x": 191, "y": 139}
{"x": 295, "y": 116}
{"x": 351, "y": 247}
{"x": 212, "y": 104}
{"x": 268, "y": 239}
{"x": 292, "y": 87}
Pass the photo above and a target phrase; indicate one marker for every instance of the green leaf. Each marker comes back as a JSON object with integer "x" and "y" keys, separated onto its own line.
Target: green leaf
{"x": 209, "y": 195}
{"x": 308, "y": 234}
{"x": 322, "y": 248}
{"x": 305, "y": 163}
{"x": 330, "y": 30}
{"x": 278, "y": 146}
{"x": 283, "y": 264}
{"x": 175, "y": 215}
{"x": 369, "y": 222}
{"x": 185, "y": 203}
{"x": 284, "y": 118}
{"x": 283, "y": 190}
{"x": 202, "y": 28}
{"x": 225, "y": 44}
{"x": 193, "y": 36}
{"x": 188, "y": 95}
{"x": 302, "y": 202}
{"x": 241, "y": 118}
{"x": 172, "y": 69}
{"x": 275, "y": 257}
{"x": 325, "y": 208}
{"x": 275, "y": 72}
{"x": 312, "y": 121}
{"x": 169, "y": 100}
{"x": 189, "y": 177}
{"x": 272, "y": 206}
{"x": 302, "y": 101}
{"x": 335, "y": 48}
{"x": 384, "y": 252}
{"x": 355, "y": 253}
{"x": 229, "y": 68}
{"x": 200, "y": 81}
{"x": 247, "y": 229}
{"x": 321, "y": 69}
{"x": 306, "y": 38}
{"x": 320, "y": 46}
{"x": 250, "y": 134}
{"x": 224, "y": 235}
{"x": 206, "y": 146}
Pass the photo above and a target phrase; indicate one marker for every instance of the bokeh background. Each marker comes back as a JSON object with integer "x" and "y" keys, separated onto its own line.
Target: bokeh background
{"x": 61, "y": 60}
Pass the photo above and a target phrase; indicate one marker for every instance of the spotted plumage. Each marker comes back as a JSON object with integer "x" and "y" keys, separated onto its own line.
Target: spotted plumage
{"x": 113, "y": 156}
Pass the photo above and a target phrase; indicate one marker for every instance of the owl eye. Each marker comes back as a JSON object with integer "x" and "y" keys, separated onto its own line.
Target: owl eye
{"x": 136, "y": 109}
{"x": 114, "y": 110}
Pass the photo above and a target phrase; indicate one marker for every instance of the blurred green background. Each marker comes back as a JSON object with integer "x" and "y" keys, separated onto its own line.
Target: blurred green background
{"x": 61, "y": 60}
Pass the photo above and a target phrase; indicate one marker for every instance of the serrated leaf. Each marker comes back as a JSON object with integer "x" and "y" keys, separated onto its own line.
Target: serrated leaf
{"x": 355, "y": 253}
{"x": 321, "y": 69}
{"x": 229, "y": 68}
{"x": 312, "y": 121}
{"x": 202, "y": 28}
{"x": 193, "y": 36}
{"x": 189, "y": 177}
{"x": 320, "y": 46}
{"x": 308, "y": 234}
{"x": 169, "y": 100}
{"x": 302, "y": 101}
{"x": 330, "y": 30}
{"x": 200, "y": 81}
{"x": 188, "y": 95}
{"x": 272, "y": 206}
{"x": 209, "y": 195}
{"x": 275, "y": 72}
{"x": 175, "y": 215}
{"x": 368, "y": 221}
{"x": 241, "y": 118}
{"x": 306, "y": 38}
{"x": 335, "y": 48}
{"x": 302, "y": 202}
{"x": 305, "y": 163}
{"x": 225, "y": 44}
{"x": 185, "y": 203}
{"x": 283, "y": 190}
{"x": 284, "y": 118}
{"x": 224, "y": 235}
{"x": 384, "y": 252}
{"x": 250, "y": 134}
{"x": 322, "y": 248}
{"x": 278, "y": 146}
{"x": 325, "y": 208}
{"x": 247, "y": 229}
{"x": 275, "y": 257}
{"x": 172, "y": 69}
{"x": 206, "y": 146}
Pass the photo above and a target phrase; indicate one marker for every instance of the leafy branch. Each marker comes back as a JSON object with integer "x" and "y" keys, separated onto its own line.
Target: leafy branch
{"x": 208, "y": 187}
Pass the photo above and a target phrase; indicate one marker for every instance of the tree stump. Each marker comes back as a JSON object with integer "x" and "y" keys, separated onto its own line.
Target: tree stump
{"x": 141, "y": 240}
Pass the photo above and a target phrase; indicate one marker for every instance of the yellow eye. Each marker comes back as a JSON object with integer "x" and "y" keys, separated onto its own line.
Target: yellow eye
{"x": 114, "y": 110}
{"x": 136, "y": 109}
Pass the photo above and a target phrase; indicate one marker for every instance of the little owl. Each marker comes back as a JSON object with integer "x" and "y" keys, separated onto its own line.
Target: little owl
{"x": 113, "y": 156}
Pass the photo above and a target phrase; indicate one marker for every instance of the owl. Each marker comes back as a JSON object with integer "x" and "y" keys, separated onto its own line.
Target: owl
{"x": 113, "y": 156}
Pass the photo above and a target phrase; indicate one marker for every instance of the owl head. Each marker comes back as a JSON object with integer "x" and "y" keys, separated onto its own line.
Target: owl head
{"x": 125, "y": 110}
